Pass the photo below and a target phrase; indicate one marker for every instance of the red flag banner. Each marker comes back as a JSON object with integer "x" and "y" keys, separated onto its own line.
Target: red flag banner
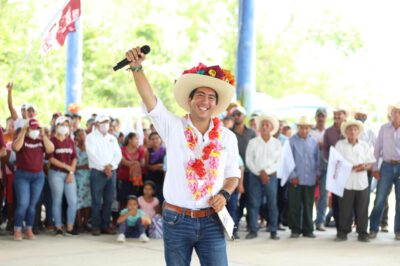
{"x": 65, "y": 23}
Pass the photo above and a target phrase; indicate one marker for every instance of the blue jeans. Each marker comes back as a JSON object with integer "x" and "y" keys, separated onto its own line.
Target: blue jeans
{"x": 48, "y": 202}
{"x": 232, "y": 207}
{"x": 255, "y": 192}
{"x": 322, "y": 203}
{"x": 389, "y": 175}
{"x": 103, "y": 190}
{"x": 183, "y": 233}
{"x": 132, "y": 231}
{"x": 28, "y": 188}
{"x": 58, "y": 187}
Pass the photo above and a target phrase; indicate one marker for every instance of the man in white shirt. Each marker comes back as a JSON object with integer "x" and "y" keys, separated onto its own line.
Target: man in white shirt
{"x": 262, "y": 157}
{"x": 202, "y": 161}
{"x": 356, "y": 193}
{"x": 104, "y": 155}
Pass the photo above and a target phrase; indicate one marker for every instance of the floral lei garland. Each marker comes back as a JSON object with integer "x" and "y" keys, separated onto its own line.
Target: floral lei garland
{"x": 210, "y": 157}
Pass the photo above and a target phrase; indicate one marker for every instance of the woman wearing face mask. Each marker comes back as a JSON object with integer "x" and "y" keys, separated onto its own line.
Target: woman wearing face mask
{"x": 61, "y": 176}
{"x": 30, "y": 145}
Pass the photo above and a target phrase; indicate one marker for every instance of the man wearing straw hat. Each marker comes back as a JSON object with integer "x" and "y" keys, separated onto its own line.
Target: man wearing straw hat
{"x": 203, "y": 168}
{"x": 356, "y": 193}
{"x": 387, "y": 148}
{"x": 302, "y": 180}
{"x": 262, "y": 157}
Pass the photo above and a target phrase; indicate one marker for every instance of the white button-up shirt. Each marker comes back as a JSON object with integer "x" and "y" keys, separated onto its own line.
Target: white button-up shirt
{"x": 356, "y": 154}
{"x": 171, "y": 128}
{"x": 261, "y": 155}
{"x": 102, "y": 150}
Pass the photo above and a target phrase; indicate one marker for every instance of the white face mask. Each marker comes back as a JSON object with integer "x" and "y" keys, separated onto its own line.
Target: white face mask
{"x": 63, "y": 130}
{"x": 34, "y": 134}
{"x": 103, "y": 128}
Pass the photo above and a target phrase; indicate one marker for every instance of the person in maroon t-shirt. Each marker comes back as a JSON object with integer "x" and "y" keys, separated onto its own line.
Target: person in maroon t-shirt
{"x": 130, "y": 180}
{"x": 30, "y": 145}
{"x": 3, "y": 153}
{"x": 2, "y": 144}
{"x": 61, "y": 175}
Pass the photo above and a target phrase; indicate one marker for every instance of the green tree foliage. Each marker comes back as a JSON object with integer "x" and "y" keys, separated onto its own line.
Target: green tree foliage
{"x": 181, "y": 33}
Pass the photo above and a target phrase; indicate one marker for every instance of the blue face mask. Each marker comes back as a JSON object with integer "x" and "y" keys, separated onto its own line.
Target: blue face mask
{"x": 361, "y": 119}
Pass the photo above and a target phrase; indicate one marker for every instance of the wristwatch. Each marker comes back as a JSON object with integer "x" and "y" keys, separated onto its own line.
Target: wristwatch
{"x": 226, "y": 194}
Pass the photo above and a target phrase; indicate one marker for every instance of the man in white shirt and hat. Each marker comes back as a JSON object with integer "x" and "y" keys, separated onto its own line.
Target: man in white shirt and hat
{"x": 203, "y": 168}
{"x": 263, "y": 154}
{"x": 356, "y": 193}
{"x": 104, "y": 156}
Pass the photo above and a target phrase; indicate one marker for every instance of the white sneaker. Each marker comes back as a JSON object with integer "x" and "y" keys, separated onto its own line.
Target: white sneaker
{"x": 143, "y": 238}
{"x": 121, "y": 238}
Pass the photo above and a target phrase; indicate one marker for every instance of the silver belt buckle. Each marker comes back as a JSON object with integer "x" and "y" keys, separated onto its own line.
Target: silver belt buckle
{"x": 191, "y": 213}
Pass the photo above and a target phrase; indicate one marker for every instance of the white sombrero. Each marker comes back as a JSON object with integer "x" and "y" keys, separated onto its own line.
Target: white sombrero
{"x": 347, "y": 124}
{"x": 305, "y": 121}
{"x": 273, "y": 120}
{"x": 393, "y": 106}
{"x": 212, "y": 77}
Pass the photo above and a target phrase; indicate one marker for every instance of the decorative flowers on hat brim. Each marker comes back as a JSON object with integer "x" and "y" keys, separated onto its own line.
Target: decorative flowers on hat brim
{"x": 214, "y": 77}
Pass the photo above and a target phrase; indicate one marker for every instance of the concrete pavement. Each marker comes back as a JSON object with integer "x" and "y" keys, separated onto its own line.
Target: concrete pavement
{"x": 104, "y": 250}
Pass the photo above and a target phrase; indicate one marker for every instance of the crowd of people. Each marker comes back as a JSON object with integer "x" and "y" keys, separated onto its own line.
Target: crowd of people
{"x": 96, "y": 179}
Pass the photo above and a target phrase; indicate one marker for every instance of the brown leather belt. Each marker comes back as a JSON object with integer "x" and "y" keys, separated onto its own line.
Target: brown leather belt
{"x": 188, "y": 212}
{"x": 392, "y": 162}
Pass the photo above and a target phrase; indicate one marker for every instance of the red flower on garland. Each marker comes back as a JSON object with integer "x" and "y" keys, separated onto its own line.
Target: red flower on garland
{"x": 213, "y": 134}
{"x": 198, "y": 167}
{"x": 207, "y": 150}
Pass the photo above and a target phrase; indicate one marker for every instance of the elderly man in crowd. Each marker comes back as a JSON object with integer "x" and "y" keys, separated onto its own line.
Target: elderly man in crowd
{"x": 356, "y": 193}
{"x": 387, "y": 148}
{"x": 262, "y": 157}
{"x": 302, "y": 180}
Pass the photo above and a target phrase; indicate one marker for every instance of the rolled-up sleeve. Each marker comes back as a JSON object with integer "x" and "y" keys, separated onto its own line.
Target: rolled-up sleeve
{"x": 117, "y": 156}
{"x": 164, "y": 121}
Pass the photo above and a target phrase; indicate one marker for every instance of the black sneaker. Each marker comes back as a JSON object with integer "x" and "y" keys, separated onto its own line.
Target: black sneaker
{"x": 251, "y": 235}
{"x": 59, "y": 232}
{"x": 274, "y": 236}
{"x": 363, "y": 238}
{"x": 294, "y": 235}
{"x": 309, "y": 235}
{"x": 341, "y": 237}
{"x": 72, "y": 233}
{"x": 236, "y": 235}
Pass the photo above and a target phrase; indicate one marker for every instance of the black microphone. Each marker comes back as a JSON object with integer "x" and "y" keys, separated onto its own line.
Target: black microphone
{"x": 144, "y": 49}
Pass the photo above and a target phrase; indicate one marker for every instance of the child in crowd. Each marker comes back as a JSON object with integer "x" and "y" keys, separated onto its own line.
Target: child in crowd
{"x": 132, "y": 222}
{"x": 156, "y": 228}
{"x": 148, "y": 202}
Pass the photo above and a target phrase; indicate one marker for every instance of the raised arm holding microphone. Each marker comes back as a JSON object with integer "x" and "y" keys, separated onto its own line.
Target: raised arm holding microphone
{"x": 203, "y": 168}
